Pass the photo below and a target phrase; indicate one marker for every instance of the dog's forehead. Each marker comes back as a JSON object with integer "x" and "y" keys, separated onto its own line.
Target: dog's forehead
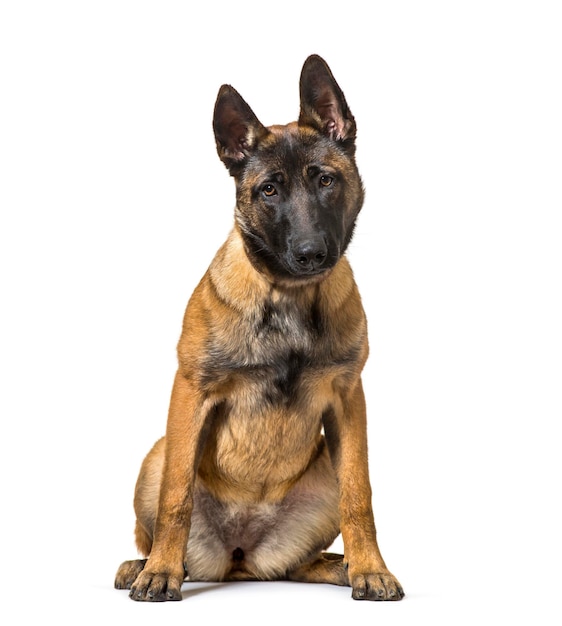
{"x": 294, "y": 146}
{"x": 294, "y": 134}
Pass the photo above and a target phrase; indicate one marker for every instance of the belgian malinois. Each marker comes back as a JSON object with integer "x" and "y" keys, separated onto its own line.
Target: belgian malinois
{"x": 264, "y": 461}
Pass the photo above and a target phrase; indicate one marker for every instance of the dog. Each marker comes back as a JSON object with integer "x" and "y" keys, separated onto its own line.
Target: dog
{"x": 264, "y": 460}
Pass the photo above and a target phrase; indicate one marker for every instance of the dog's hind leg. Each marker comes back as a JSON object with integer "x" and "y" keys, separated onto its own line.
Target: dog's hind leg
{"x": 129, "y": 570}
{"x": 327, "y": 568}
{"x": 146, "y": 504}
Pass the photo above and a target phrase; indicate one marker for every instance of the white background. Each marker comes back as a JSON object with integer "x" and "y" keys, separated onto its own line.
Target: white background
{"x": 113, "y": 202}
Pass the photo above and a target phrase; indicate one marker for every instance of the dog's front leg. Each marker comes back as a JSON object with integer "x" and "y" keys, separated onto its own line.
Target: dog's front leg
{"x": 347, "y": 437}
{"x": 163, "y": 574}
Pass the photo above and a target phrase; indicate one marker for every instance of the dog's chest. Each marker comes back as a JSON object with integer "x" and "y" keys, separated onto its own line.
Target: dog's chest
{"x": 286, "y": 324}
{"x": 269, "y": 355}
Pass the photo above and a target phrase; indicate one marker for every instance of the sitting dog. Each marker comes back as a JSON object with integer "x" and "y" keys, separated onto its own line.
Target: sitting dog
{"x": 264, "y": 461}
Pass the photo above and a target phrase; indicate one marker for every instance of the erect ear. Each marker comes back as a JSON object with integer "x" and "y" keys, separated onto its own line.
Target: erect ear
{"x": 237, "y": 129}
{"x": 323, "y": 104}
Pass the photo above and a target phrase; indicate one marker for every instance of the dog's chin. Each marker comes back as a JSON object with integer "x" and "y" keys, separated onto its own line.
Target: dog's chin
{"x": 294, "y": 281}
{"x": 297, "y": 277}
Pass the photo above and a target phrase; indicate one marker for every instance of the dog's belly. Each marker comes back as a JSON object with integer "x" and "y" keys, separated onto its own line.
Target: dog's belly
{"x": 257, "y": 450}
{"x": 237, "y": 539}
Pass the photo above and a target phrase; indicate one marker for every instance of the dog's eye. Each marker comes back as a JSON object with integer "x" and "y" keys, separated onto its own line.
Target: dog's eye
{"x": 326, "y": 180}
{"x": 269, "y": 190}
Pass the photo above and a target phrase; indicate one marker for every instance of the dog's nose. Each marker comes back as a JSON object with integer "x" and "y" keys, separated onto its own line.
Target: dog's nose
{"x": 310, "y": 254}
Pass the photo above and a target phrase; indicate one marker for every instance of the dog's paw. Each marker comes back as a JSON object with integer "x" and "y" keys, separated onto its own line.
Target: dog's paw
{"x": 382, "y": 586}
{"x": 152, "y": 586}
{"x": 128, "y": 572}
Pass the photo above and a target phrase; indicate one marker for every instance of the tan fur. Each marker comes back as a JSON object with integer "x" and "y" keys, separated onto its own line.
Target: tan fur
{"x": 245, "y": 485}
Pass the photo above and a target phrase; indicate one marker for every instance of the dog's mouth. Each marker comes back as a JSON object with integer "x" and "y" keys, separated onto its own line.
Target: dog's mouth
{"x": 294, "y": 272}
{"x": 307, "y": 270}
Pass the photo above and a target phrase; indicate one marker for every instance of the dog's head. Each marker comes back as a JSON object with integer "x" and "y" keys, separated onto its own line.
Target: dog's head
{"x": 298, "y": 190}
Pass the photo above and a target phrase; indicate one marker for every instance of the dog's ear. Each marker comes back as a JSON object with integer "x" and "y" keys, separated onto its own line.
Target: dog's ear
{"x": 237, "y": 129}
{"x": 323, "y": 104}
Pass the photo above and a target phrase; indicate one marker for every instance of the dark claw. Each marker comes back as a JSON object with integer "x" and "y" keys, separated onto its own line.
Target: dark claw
{"x": 358, "y": 594}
